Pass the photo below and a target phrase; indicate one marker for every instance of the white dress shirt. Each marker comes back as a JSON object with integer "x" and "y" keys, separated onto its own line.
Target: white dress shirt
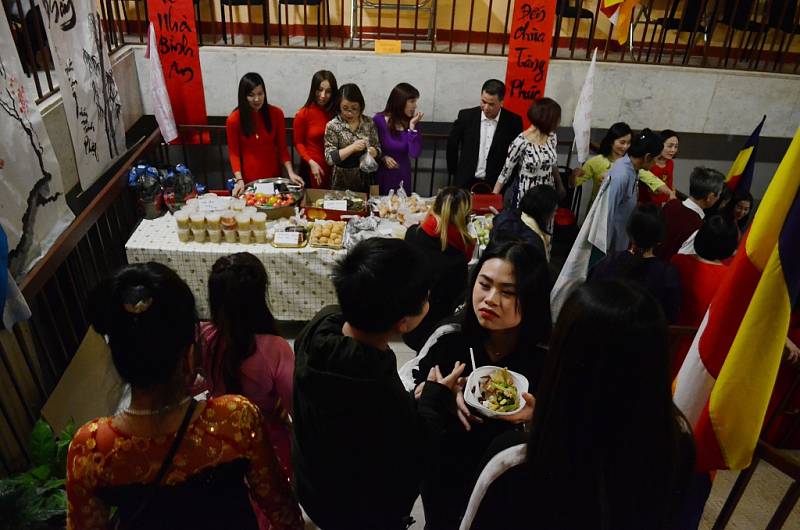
{"x": 688, "y": 246}
{"x": 488, "y": 128}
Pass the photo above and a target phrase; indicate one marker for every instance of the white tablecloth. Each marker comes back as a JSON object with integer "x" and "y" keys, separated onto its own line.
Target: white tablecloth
{"x": 299, "y": 279}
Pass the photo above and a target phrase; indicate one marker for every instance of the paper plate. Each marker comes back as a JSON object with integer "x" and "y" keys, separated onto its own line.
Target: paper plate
{"x": 472, "y": 390}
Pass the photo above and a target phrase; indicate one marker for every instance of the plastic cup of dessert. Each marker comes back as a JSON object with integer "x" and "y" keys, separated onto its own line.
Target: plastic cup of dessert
{"x": 259, "y": 221}
{"x": 213, "y": 221}
{"x": 230, "y": 235}
{"x": 199, "y": 234}
{"x": 182, "y": 219}
{"x": 215, "y": 236}
{"x": 244, "y": 236}
{"x": 185, "y": 235}
{"x": 243, "y": 220}
{"x": 260, "y": 235}
{"x": 198, "y": 220}
{"x": 228, "y": 221}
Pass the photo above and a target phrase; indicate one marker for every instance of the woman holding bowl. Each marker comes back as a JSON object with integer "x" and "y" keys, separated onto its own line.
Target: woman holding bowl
{"x": 607, "y": 448}
{"x": 505, "y": 320}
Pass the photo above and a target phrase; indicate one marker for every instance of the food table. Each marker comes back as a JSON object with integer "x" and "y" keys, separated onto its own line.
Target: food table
{"x": 299, "y": 279}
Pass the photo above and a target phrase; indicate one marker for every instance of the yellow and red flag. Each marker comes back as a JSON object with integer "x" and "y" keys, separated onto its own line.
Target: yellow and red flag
{"x": 725, "y": 383}
{"x": 740, "y": 175}
{"x": 620, "y": 13}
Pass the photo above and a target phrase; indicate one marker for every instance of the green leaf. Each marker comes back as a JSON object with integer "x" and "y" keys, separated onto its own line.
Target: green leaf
{"x": 67, "y": 432}
{"x": 50, "y": 485}
{"x": 60, "y": 464}
{"x": 57, "y": 501}
{"x": 26, "y": 479}
{"x": 18, "y": 505}
{"x": 40, "y": 473}
{"x": 42, "y": 444}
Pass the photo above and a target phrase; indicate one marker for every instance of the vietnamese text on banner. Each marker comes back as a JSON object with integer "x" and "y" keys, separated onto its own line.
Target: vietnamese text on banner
{"x": 83, "y": 70}
{"x": 529, "y": 48}
{"x": 176, "y": 41}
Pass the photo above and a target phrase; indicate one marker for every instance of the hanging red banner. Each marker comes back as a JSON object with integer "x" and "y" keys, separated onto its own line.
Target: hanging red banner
{"x": 529, "y": 46}
{"x": 176, "y": 41}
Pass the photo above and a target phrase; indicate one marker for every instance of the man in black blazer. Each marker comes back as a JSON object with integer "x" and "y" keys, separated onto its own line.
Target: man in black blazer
{"x": 478, "y": 143}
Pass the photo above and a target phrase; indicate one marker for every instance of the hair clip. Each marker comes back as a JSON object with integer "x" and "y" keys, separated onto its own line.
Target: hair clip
{"x": 137, "y": 299}
{"x": 139, "y": 307}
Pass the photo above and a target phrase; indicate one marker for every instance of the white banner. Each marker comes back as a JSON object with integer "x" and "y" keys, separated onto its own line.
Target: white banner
{"x": 33, "y": 212}
{"x": 158, "y": 89}
{"x": 582, "y": 120}
{"x": 83, "y": 71}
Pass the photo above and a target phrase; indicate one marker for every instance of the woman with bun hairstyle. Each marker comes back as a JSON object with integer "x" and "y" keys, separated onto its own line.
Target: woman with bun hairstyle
{"x": 165, "y": 455}
{"x": 663, "y": 170}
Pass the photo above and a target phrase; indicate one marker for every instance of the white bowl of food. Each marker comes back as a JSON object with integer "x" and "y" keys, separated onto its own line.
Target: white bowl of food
{"x": 494, "y": 391}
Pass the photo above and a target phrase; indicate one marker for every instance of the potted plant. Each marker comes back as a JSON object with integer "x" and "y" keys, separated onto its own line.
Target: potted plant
{"x": 36, "y": 499}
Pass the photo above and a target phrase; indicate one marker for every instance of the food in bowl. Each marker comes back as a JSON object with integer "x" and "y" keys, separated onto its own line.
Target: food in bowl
{"x": 498, "y": 392}
{"x": 267, "y": 194}
{"x": 260, "y": 200}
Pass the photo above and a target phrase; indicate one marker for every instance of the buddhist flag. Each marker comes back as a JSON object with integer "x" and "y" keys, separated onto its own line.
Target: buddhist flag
{"x": 610, "y": 8}
{"x": 740, "y": 176}
{"x": 725, "y": 383}
{"x": 620, "y": 13}
{"x": 162, "y": 106}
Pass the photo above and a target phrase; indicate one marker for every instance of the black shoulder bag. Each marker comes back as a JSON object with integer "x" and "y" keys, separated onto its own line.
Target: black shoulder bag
{"x": 130, "y": 522}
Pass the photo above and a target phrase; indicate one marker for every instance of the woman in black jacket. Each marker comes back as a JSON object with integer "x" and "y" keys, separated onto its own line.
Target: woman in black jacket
{"x": 444, "y": 240}
{"x": 607, "y": 448}
{"x": 505, "y": 320}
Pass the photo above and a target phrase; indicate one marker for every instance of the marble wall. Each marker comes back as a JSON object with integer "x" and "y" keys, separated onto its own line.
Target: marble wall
{"x": 127, "y": 76}
{"x": 54, "y": 118}
{"x": 684, "y": 99}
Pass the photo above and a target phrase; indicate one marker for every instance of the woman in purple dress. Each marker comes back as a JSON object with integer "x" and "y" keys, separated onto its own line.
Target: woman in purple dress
{"x": 397, "y": 129}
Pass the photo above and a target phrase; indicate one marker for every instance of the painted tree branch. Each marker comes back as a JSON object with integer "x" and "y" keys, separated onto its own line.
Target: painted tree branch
{"x": 38, "y": 195}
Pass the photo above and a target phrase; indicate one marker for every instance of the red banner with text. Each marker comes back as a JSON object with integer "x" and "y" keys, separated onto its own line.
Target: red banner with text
{"x": 176, "y": 41}
{"x": 530, "y": 41}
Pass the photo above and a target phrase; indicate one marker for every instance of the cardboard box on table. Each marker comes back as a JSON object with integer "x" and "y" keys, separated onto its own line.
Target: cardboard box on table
{"x": 312, "y": 212}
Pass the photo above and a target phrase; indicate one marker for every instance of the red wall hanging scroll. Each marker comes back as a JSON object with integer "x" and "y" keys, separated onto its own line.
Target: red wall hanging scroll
{"x": 530, "y": 43}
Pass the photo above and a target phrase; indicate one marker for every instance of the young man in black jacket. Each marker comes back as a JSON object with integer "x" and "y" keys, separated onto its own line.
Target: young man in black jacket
{"x": 477, "y": 145}
{"x": 360, "y": 440}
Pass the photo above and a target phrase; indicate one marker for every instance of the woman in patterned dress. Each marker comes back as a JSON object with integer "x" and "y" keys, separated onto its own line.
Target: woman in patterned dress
{"x": 221, "y": 460}
{"x": 534, "y": 151}
{"x": 347, "y": 137}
